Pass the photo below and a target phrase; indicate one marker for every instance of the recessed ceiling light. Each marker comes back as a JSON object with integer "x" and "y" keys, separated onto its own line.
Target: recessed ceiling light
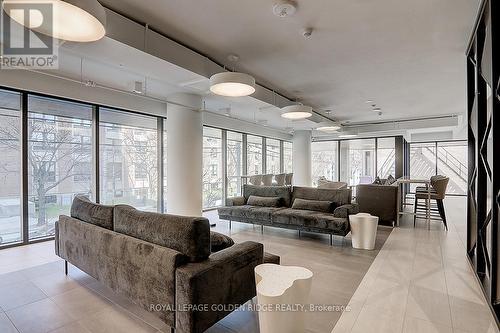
{"x": 296, "y": 112}
{"x": 72, "y": 20}
{"x": 376, "y": 109}
{"x": 232, "y": 84}
{"x": 369, "y": 101}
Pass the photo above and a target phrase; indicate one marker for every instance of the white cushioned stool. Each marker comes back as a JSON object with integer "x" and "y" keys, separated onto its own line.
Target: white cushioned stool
{"x": 363, "y": 231}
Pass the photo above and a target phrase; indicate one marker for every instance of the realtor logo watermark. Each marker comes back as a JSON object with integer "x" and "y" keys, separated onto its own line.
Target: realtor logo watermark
{"x": 23, "y": 47}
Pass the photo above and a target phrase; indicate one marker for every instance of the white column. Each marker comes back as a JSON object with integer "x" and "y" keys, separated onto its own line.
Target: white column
{"x": 302, "y": 167}
{"x": 184, "y": 155}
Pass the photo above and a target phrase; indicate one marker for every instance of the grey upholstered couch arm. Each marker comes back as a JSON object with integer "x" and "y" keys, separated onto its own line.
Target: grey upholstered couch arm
{"x": 235, "y": 201}
{"x": 345, "y": 210}
{"x": 226, "y": 278}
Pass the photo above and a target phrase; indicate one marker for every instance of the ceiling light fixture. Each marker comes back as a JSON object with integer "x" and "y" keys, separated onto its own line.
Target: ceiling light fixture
{"x": 347, "y": 136}
{"x": 72, "y": 20}
{"x": 296, "y": 112}
{"x": 284, "y": 8}
{"x": 232, "y": 84}
{"x": 329, "y": 128}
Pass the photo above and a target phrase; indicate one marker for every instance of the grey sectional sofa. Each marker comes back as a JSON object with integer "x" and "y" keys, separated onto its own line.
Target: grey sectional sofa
{"x": 162, "y": 262}
{"x": 300, "y": 208}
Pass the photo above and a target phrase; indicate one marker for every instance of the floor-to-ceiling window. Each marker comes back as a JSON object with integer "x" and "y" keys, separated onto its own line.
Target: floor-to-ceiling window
{"x": 128, "y": 159}
{"x": 357, "y": 161}
{"x": 422, "y": 161}
{"x": 10, "y": 168}
{"x": 448, "y": 158}
{"x": 59, "y": 159}
{"x": 234, "y": 163}
{"x": 324, "y": 160}
{"x": 213, "y": 171}
{"x": 452, "y": 161}
{"x": 273, "y": 156}
{"x": 386, "y": 157}
{"x": 287, "y": 156}
{"x": 254, "y": 155}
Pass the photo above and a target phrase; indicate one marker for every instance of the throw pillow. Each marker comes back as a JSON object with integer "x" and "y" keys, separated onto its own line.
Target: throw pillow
{"x": 85, "y": 210}
{"x": 254, "y": 200}
{"x": 219, "y": 242}
{"x": 377, "y": 181}
{"x": 320, "y": 206}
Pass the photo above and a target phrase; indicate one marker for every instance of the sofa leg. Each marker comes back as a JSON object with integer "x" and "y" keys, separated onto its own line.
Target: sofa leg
{"x": 262, "y": 229}
{"x": 331, "y": 240}
{"x": 299, "y": 233}
{"x": 230, "y": 224}
{"x": 172, "y": 330}
{"x": 65, "y": 267}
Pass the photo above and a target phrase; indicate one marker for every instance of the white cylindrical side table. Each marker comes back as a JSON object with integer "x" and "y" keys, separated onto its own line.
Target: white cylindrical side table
{"x": 282, "y": 295}
{"x": 363, "y": 231}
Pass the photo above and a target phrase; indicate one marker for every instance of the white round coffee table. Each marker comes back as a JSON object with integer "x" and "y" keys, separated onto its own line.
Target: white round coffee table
{"x": 363, "y": 231}
{"x": 282, "y": 295}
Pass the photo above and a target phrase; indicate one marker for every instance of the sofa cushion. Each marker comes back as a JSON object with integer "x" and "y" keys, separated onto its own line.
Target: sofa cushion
{"x": 262, "y": 214}
{"x": 316, "y": 205}
{"x": 311, "y": 219}
{"x": 85, "y": 210}
{"x": 339, "y": 196}
{"x": 254, "y": 200}
{"x": 295, "y": 217}
{"x": 187, "y": 235}
{"x": 219, "y": 241}
{"x": 283, "y": 192}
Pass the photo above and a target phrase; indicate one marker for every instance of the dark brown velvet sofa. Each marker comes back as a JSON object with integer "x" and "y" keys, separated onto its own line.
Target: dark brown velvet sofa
{"x": 162, "y": 262}
{"x": 301, "y": 208}
{"x": 379, "y": 200}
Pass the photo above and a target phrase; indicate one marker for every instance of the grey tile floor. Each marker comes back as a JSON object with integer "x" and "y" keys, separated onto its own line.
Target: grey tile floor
{"x": 421, "y": 281}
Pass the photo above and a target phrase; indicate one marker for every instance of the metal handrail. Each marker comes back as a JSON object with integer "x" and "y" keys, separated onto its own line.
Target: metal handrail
{"x": 450, "y": 161}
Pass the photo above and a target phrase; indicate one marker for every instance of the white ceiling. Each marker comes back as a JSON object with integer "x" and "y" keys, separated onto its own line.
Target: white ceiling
{"x": 407, "y": 56}
{"x": 112, "y": 64}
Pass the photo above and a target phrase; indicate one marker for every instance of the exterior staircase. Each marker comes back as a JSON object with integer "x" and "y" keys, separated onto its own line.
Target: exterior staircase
{"x": 422, "y": 165}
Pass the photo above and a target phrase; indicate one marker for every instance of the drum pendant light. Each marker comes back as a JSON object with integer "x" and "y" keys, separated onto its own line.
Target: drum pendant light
{"x": 296, "y": 112}
{"x": 232, "y": 84}
{"x": 72, "y": 20}
{"x": 329, "y": 127}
